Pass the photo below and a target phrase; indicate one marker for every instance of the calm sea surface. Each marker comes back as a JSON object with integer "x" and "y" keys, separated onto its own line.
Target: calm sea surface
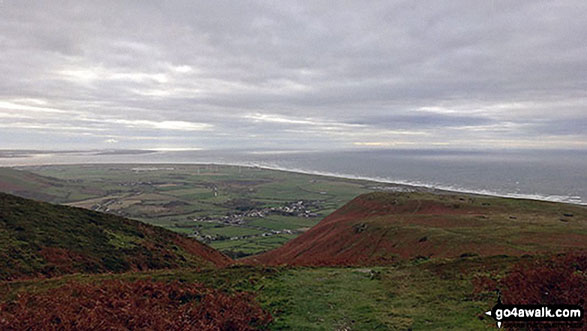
{"x": 546, "y": 175}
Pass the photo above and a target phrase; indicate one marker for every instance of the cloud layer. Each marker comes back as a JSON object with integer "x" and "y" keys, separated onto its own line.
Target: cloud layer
{"x": 279, "y": 75}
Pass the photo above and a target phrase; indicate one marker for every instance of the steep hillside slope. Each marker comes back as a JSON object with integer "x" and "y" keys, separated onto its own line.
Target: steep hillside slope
{"x": 32, "y": 186}
{"x": 379, "y": 228}
{"x": 38, "y": 238}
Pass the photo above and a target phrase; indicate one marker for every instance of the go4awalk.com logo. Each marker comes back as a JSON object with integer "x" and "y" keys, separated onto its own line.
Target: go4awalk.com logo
{"x": 553, "y": 314}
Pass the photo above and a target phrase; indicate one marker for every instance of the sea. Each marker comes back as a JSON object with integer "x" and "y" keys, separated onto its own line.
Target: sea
{"x": 552, "y": 175}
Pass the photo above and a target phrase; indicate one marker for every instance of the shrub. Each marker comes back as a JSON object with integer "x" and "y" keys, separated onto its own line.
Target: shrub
{"x": 139, "y": 305}
{"x": 559, "y": 280}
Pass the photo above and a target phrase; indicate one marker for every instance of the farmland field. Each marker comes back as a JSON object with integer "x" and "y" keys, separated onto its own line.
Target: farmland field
{"x": 239, "y": 210}
{"x": 389, "y": 261}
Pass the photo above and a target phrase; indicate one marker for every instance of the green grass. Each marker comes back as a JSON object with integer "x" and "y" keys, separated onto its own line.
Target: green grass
{"x": 194, "y": 186}
{"x": 265, "y": 188}
{"x": 326, "y": 298}
{"x": 232, "y": 231}
{"x": 418, "y": 296}
{"x": 279, "y": 222}
{"x": 186, "y": 231}
{"x": 252, "y": 245}
{"x": 413, "y": 295}
{"x": 38, "y": 238}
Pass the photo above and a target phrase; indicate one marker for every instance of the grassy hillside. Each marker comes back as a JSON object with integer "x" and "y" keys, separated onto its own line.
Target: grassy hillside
{"x": 381, "y": 228}
{"x": 30, "y": 185}
{"x": 228, "y": 207}
{"x": 41, "y": 239}
{"x": 403, "y": 282}
{"x": 435, "y": 294}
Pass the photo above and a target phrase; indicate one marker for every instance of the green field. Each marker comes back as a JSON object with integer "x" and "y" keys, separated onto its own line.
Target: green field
{"x": 243, "y": 247}
{"x": 420, "y": 292}
{"x": 172, "y": 196}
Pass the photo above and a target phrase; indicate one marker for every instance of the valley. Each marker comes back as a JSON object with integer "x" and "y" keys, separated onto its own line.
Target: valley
{"x": 238, "y": 210}
{"x": 301, "y": 252}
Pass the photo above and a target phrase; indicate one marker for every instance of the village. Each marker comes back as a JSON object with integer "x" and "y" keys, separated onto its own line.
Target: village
{"x": 301, "y": 208}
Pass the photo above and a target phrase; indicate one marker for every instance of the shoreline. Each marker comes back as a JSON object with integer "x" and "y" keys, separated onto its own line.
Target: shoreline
{"x": 383, "y": 180}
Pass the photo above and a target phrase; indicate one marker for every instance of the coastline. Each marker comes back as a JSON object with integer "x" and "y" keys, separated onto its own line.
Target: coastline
{"x": 453, "y": 189}
{"x": 574, "y": 200}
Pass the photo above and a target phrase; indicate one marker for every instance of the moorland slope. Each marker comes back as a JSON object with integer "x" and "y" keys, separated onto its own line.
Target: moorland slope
{"x": 42, "y": 239}
{"x": 381, "y": 228}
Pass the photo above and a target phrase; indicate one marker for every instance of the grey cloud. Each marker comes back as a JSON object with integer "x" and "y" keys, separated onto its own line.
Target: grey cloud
{"x": 512, "y": 69}
{"x": 424, "y": 120}
{"x": 576, "y": 126}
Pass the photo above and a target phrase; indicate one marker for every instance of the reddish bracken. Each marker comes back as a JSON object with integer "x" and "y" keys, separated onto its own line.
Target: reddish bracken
{"x": 560, "y": 280}
{"x": 139, "y": 305}
{"x": 378, "y": 229}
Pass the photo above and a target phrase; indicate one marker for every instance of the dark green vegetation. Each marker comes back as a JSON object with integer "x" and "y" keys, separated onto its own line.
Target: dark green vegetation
{"x": 228, "y": 207}
{"x": 41, "y": 239}
{"x": 384, "y": 261}
{"x": 33, "y": 186}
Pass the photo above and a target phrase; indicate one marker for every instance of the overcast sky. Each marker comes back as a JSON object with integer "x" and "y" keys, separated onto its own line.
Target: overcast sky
{"x": 292, "y": 75}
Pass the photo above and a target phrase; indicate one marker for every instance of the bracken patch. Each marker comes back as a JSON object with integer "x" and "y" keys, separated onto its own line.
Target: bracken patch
{"x": 561, "y": 279}
{"x": 139, "y": 305}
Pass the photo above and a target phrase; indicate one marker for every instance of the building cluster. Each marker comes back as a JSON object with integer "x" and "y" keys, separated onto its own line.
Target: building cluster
{"x": 300, "y": 208}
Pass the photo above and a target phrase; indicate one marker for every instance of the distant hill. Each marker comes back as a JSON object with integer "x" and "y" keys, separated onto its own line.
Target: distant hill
{"x": 379, "y": 228}
{"x": 41, "y": 239}
{"x": 29, "y": 185}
